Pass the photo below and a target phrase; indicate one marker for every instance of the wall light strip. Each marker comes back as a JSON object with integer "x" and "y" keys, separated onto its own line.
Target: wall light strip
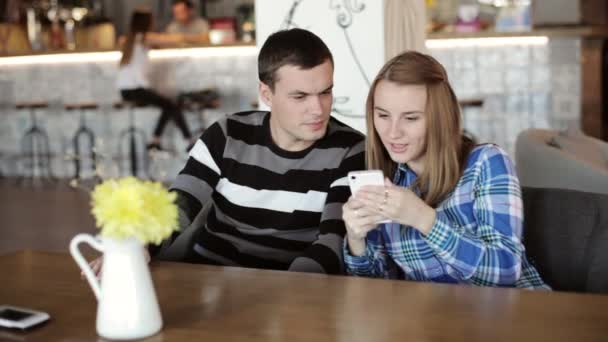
{"x": 114, "y": 56}
{"x": 61, "y": 58}
{"x": 490, "y": 42}
{"x": 226, "y": 51}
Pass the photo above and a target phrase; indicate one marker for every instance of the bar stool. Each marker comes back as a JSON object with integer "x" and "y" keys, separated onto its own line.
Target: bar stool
{"x": 200, "y": 109}
{"x": 85, "y": 132}
{"x": 199, "y": 102}
{"x": 35, "y": 144}
{"x": 132, "y": 134}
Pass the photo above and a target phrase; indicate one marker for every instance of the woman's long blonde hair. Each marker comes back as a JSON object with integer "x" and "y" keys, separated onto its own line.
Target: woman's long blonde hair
{"x": 141, "y": 22}
{"x": 446, "y": 146}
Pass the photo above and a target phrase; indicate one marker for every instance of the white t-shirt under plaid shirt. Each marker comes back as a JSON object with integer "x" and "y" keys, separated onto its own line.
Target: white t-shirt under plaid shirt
{"x": 475, "y": 239}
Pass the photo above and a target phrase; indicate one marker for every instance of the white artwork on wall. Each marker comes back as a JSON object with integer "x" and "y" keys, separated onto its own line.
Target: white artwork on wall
{"x": 353, "y": 31}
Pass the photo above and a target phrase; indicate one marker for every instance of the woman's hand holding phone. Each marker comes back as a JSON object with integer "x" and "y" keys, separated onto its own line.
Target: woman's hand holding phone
{"x": 358, "y": 221}
{"x": 358, "y": 218}
{"x": 398, "y": 204}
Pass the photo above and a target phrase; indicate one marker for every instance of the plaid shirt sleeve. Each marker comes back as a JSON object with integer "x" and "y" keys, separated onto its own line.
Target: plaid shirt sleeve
{"x": 491, "y": 254}
{"x": 374, "y": 263}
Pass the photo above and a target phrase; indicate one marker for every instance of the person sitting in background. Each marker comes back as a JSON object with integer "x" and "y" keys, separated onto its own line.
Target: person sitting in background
{"x": 455, "y": 208}
{"x": 133, "y": 81}
{"x": 194, "y": 28}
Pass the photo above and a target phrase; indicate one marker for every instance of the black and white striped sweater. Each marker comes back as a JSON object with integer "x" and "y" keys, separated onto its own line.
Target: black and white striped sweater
{"x": 271, "y": 208}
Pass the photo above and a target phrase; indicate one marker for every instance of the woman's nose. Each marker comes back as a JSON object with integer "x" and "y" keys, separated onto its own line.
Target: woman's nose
{"x": 395, "y": 129}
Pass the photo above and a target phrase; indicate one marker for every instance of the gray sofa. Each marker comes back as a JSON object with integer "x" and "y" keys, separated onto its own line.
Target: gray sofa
{"x": 566, "y": 238}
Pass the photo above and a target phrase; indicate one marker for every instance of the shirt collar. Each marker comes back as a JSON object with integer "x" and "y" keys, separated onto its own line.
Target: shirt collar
{"x": 404, "y": 175}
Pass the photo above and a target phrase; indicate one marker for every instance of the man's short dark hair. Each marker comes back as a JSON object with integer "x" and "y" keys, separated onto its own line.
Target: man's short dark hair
{"x": 296, "y": 47}
{"x": 186, "y": 3}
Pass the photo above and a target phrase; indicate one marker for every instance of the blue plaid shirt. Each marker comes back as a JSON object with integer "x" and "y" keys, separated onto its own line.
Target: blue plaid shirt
{"x": 475, "y": 239}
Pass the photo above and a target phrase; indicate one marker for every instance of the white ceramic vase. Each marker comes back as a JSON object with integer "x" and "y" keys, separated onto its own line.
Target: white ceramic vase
{"x": 127, "y": 305}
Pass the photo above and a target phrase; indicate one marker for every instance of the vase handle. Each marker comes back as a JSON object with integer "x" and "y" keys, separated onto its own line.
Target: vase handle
{"x": 82, "y": 263}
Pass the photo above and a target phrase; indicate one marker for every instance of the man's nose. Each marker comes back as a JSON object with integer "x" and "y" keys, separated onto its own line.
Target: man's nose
{"x": 315, "y": 106}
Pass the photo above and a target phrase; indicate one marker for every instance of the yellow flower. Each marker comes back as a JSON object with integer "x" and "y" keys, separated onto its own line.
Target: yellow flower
{"x": 129, "y": 207}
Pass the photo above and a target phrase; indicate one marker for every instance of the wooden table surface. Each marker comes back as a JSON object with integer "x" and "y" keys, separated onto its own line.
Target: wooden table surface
{"x": 209, "y": 303}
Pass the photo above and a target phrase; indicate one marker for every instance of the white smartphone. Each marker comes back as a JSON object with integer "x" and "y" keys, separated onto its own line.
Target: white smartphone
{"x": 358, "y": 179}
{"x": 21, "y": 318}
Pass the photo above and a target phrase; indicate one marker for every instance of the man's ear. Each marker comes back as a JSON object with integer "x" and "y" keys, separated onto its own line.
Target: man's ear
{"x": 265, "y": 94}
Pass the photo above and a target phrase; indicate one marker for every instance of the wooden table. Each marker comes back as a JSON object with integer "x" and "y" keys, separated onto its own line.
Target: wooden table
{"x": 208, "y": 303}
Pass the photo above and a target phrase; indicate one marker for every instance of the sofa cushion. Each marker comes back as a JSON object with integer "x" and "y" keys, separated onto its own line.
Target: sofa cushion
{"x": 566, "y": 238}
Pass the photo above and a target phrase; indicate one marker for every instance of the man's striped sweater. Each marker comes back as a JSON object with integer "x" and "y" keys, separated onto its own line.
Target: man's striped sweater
{"x": 271, "y": 208}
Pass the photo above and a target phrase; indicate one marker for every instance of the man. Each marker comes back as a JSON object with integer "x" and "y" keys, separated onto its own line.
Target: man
{"x": 276, "y": 181}
{"x": 194, "y": 28}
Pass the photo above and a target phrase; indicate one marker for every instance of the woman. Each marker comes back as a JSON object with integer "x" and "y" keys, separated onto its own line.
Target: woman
{"x": 133, "y": 79}
{"x": 455, "y": 208}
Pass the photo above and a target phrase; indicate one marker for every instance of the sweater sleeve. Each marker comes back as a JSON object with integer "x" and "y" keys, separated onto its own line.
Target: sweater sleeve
{"x": 195, "y": 182}
{"x": 325, "y": 254}
{"x": 375, "y": 263}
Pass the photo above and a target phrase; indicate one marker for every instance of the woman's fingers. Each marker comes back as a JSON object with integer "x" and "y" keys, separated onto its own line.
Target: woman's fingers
{"x": 361, "y": 224}
{"x": 372, "y": 202}
{"x": 360, "y": 217}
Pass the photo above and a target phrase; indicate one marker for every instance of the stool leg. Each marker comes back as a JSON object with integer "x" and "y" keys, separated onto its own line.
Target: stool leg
{"x": 142, "y": 139}
{"x": 129, "y": 135}
{"x": 76, "y": 144}
{"x": 35, "y": 145}
{"x": 46, "y": 154}
{"x": 123, "y": 134}
{"x": 91, "y": 136}
{"x": 27, "y": 151}
{"x": 87, "y": 133}
{"x": 133, "y": 150}
{"x": 132, "y": 142}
